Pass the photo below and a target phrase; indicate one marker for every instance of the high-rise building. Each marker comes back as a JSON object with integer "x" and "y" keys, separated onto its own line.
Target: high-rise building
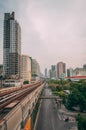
{"x": 53, "y": 72}
{"x": 26, "y": 67}
{"x": 49, "y": 74}
{"x": 46, "y": 75}
{"x": 11, "y": 46}
{"x": 35, "y": 69}
{"x": 84, "y": 66}
{"x": 61, "y": 70}
{"x": 69, "y": 72}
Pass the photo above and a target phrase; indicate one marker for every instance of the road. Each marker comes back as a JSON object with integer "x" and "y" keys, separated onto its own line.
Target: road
{"x": 49, "y": 117}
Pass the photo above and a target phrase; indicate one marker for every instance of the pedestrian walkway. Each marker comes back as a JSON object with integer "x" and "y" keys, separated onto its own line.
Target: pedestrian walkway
{"x": 64, "y": 114}
{"x": 67, "y": 112}
{"x": 64, "y": 117}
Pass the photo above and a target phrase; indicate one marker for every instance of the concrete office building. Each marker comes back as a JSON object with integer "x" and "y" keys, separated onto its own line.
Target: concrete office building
{"x": 84, "y": 66}
{"x": 46, "y": 73}
{"x": 49, "y": 74}
{"x": 61, "y": 70}
{"x": 69, "y": 72}
{"x": 26, "y": 67}
{"x": 79, "y": 72}
{"x": 11, "y": 47}
{"x": 35, "y": 69}
{"x": 53, "y": 72}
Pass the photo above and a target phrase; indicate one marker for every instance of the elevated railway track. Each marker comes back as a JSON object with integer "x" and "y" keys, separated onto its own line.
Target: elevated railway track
{"x": 6, "y": 91}
{"x": 15, "y": 96}
{"x": 17, "y": 105}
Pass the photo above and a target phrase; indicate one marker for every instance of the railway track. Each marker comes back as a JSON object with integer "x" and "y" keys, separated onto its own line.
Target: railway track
{"x": 6, "y": 91}
{"x": 18, "y": 95}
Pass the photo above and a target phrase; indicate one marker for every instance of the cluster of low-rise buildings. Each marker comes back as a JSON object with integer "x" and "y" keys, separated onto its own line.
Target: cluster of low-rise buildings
{"x": 16, "y": 65}
{"x": 59, "y": 71}
{"x": 77, "y": 71}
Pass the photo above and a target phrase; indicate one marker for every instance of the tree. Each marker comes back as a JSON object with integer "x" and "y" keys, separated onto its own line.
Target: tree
{"x": 58, "y": 88}
{"x": 73, "y": 99}
{"x": 63, "y": 96}
{"x": 81, "y": 122}
{"x": 26, "y": 82}
{"x": 82, "y": 103}
{"x": 77, "y": 96}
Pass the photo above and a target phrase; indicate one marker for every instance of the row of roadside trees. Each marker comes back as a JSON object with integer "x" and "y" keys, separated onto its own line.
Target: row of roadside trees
{"x": 75, "y": 99}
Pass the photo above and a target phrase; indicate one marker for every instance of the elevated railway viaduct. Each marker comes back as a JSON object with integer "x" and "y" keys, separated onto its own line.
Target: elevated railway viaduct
{"x": 16, "y": 107}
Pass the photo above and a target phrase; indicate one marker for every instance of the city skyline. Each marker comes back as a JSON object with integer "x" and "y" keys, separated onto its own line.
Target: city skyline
{"x": 52, "y": 31}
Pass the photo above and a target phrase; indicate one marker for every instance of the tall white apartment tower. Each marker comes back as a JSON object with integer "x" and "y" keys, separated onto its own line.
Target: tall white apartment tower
{"x": 26, "y": 67}
{"x": 35, "y": 68}
{"x": 11, "y": 46}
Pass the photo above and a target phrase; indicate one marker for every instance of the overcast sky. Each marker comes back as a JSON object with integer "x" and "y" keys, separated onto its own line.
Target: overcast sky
{"x": 52, "y": 30}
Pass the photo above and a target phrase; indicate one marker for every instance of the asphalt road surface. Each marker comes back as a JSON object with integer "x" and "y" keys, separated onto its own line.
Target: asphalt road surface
{"x": 49, "y": 117}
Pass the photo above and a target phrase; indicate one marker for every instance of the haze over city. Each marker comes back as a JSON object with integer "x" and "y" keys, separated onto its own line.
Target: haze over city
{"x": 52, "y": 30}
{"x": 42, "y": 65}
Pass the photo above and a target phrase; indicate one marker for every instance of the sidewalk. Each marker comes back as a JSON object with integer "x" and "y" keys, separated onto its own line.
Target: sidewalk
{"x": 64, "y": 113}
